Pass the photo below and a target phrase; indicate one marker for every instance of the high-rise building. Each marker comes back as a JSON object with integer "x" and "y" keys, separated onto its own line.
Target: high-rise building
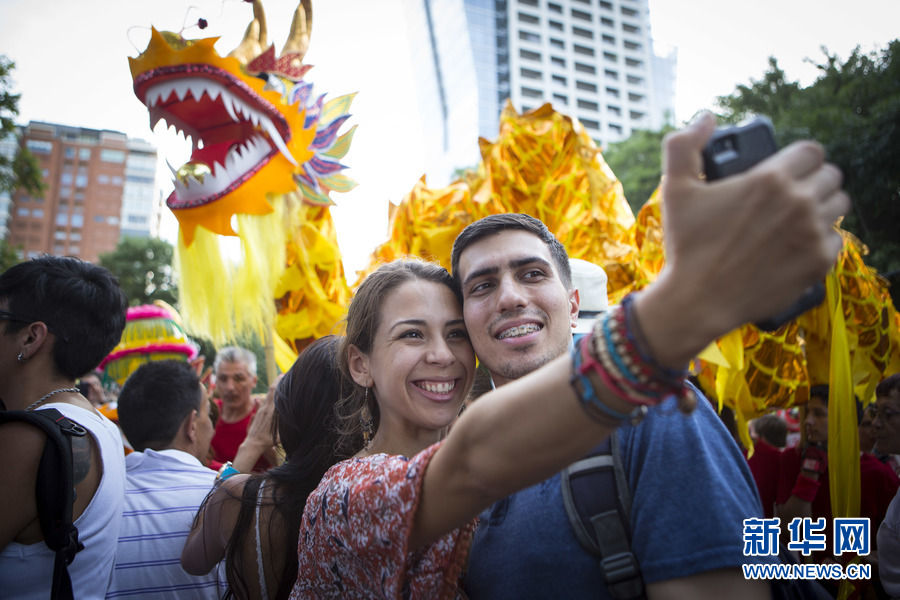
{"x": 94, "y": 178}
{"x": 591, "y": 59}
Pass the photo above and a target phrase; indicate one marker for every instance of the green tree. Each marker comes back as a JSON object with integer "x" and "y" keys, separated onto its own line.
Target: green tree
{"x": 853, "y": 110}
{"x": 144, "y": 269}
{"x": 8, "y": 256}
{"x": 23, "y": 169}
{"x": 637, "y": 162}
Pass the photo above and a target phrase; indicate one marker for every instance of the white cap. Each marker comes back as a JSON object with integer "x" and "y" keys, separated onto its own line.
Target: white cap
{"x": 590, "y": 281}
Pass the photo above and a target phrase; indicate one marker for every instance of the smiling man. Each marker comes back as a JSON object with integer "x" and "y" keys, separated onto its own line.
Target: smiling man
{"x": 520, "y": 310}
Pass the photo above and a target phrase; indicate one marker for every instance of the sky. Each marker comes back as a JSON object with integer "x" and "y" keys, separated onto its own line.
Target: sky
{"x": 72, "y": 68}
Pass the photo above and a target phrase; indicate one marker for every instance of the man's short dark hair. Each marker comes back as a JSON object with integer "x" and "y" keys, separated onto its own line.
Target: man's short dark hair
{"x": 772, "y": 429}
{"x": 820, "y": 392}
{"x": 155, "y": 400}
{"x": 81, "y": 304}
{"x": 494, "y": 224}
{"x": 887, "y": 385}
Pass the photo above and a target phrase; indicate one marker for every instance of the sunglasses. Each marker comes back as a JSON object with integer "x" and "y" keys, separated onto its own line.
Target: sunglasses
{"x": 8, "y": 316}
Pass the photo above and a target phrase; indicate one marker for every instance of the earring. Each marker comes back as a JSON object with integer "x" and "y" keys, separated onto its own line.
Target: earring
{"x": 366, "y": 421}
{"x": 21, "y": 358}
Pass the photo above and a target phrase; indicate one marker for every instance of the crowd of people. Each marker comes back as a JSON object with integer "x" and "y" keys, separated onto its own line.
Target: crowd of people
{"x": 359, "y": 476}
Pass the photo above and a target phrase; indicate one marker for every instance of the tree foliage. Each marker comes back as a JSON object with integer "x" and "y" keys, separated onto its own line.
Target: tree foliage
{"x": 144, "y": 269}
{"x": 23, "y": 169}
{"x": 853, "y": 110}
{"x": 9, "y": 257}
{"x": 637, "y": 162}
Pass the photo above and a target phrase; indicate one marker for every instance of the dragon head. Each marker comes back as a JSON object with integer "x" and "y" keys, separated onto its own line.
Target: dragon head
{"x": 254, "y": 125}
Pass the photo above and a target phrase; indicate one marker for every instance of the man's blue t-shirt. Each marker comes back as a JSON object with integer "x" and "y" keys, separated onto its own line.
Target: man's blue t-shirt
{"x": 691, "y": 490}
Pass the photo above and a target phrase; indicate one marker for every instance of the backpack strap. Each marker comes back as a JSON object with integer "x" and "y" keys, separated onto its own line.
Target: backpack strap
{"x": 55, "y": 490}
{"x": 598, "y": 503}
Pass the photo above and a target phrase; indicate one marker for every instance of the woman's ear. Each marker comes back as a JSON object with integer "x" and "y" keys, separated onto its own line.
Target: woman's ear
{"x": 358, "y": 363}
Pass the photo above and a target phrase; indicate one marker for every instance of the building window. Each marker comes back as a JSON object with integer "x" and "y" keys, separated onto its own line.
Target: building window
{"x": 587, "y": 87}
{"x": 584, "y": 50}
{"x": 65, "y": 179}
{"x": 607, "y": 22}
{"x": 74, "y": 249}
{"x": 531, "y": 74}
{"x": 628, "y": 12}
{"x": 103, "y": 179}
{"x": 39, "y": 146}
{"x": 612, "y": 92}
{"x": 529, "y": 37}
{"x": 559, "y": 62}
{"x": 560, "y": 80}
{"x": 611, "y": 74}
{"x": 605, "y": 5}
{"x": 614, "y": 110}
{"x": 633, "y": 62}
{"x": 608, "y": 39}
{"x": 590, "y": 124}
{"x": 526, "y": 54}
{"x": 75, "y": 237}
{"x": 635, "y": 97}
{"x": 69, "y": 152}
{"x": 38, "y": 213}
{"x": 583, "y": 68}
{"x": 629, "y": 28}
{"x": 532, "y": 93}
{"x": 585, "y": 33}
{"x": 84, "y": 154}
{"x": 526, "y": 18}
{"x": 554, "y": 7}
{"x": 112, "y": 220}
{"x": 588, "y": 105}
{"x": 98, "y": 218}
{"x": 610, "y": 57}
{"x": 81, "y": 181}
{"x": 580, "y": 14}
{"x": 528, "y": 2}
{"x": 615, "y": 128}
{"x": 556, "y": 25}
{"x": 635, "y": 79}
{"x": 629, "y": 45}
{"x": 112, "y": 156}
{"x": 62, "y": 219}
{"x": 557, "y": 43}
{"x": 59, "y": 235}
{"x": 636, "y": 115}
{"x": 561, "y": 99}
{"x": 23, "y": 212}
{"x": 117, "y": 180}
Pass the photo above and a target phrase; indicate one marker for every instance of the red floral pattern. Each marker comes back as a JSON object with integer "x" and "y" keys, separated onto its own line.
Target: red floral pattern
{"x": 355, "y": 529}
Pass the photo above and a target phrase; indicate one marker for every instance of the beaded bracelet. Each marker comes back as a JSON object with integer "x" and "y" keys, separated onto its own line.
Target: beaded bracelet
{"x": 582, "y": 362}
{"x": 617, "y": 352}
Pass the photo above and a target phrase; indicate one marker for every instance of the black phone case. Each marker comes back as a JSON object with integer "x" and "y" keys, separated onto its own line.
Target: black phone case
{"x": 734, "y": 149}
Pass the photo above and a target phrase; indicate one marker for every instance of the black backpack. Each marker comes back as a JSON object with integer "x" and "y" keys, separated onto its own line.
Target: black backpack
{"x": 55, "y": 489}
{"x": 598, "y": 503}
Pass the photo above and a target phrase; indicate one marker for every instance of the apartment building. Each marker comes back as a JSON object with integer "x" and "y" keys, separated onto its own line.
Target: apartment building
{"x": 94, "y": 178}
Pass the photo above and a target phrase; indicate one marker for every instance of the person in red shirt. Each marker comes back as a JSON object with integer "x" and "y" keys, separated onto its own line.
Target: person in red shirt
{"x": 803, "y": 487}
{"x": 235, "y": 370}
{"x": 770, "y": 437}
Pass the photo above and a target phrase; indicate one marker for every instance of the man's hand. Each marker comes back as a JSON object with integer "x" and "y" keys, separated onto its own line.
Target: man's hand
{"x": 742, "y": 248}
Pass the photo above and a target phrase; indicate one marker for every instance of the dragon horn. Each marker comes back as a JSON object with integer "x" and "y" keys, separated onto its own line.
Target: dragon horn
{"x": 254, "y": 38}
{"x": 301, "y": 28}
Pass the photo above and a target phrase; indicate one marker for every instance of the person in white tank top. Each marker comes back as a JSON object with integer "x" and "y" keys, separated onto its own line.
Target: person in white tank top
{"x": 58, "y": 318}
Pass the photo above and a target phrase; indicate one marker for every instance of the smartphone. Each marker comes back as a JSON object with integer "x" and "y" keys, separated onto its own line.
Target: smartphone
{"x": 736, "y": 148}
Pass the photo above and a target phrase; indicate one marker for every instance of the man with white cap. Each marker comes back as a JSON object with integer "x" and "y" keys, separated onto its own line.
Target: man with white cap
{"x": 590, "y": 281}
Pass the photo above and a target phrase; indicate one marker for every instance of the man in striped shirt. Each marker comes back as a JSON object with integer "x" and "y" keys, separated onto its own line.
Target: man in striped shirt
{"x": 164, "y": 413}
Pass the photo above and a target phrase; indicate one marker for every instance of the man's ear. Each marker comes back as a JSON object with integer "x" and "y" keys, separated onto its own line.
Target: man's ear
{"x": 31, "y": 338}
{"x": 189, "y": 426}
{"x": 574, "y": 303}
{"x": 358, "y": 363}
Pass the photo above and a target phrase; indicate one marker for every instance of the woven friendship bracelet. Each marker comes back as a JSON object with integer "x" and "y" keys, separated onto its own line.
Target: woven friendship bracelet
{"x": 582, "y": 363}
